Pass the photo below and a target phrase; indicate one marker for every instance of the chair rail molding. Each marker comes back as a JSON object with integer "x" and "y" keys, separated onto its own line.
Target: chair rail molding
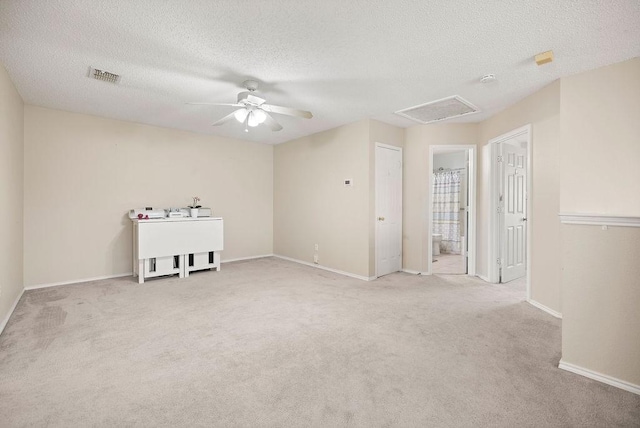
{"x": 599, "y": 219}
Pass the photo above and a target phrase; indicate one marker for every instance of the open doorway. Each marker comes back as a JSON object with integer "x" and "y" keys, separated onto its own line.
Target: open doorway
{"x": 510, "y": 185}
{"x": 451, "y": 209}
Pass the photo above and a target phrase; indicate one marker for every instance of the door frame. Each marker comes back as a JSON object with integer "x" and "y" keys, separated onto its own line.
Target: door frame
{"x": 375, "y": 193}
{"x": 472, "y": 186}
{"x": 494, "y": 192}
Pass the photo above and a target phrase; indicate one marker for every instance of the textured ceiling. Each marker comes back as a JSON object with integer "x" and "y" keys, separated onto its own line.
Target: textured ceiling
{"x": 342, "y": 60}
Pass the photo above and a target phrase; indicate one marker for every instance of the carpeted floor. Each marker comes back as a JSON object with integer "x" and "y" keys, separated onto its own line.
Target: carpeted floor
{"x": 275, "y": 344}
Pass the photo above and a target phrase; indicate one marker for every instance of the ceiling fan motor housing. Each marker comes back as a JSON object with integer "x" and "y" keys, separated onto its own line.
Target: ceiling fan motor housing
{"x": 251, "y": 85}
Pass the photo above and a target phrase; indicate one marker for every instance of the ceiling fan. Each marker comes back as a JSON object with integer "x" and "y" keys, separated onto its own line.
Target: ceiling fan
{"x": 253, "y": 110}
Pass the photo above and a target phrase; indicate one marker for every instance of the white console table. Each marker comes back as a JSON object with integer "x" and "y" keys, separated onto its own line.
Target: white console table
{"x": 168, "y": 246}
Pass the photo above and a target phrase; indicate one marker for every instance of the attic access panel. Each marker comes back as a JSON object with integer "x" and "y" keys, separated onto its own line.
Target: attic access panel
{"x": 443, "y": 109}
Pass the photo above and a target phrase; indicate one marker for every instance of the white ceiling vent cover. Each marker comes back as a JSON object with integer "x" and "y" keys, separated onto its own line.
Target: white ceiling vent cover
{"x": 105, "y": 76}
{"x": 446, "y": 108}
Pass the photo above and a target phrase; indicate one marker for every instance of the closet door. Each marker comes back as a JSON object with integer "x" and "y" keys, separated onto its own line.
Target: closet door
{"x": 514, "y": 220}
{"x": 388, "y": 209}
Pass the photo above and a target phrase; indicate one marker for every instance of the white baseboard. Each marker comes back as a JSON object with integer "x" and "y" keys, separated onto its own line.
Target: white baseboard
{"x": 246, "y": 258}
{"x": 609, "y": 380}
{"x": 4, "y": 322}
{"x": 484, "y": 278}
{"x": 120, "y": 275}
{"x": 340, "y": 272}
{"x": 412, "y": 272}
{"x": 545, "y": 308}
{"x": 77, "y": 281}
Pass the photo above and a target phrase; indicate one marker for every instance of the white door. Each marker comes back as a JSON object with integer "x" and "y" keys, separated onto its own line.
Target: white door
{"x": 388, "y": 209}
{"x": 514, "y": 208}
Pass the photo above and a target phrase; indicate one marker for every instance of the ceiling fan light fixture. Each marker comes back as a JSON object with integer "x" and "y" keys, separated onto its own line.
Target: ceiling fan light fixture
{"x": 253, "y": 110}
{"x": 241, "y": 114}
{"x": 259, "y": 115}
{"x": 252, "y": 121}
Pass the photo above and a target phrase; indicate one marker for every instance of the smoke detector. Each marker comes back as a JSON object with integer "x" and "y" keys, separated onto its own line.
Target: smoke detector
{"x": 105, "y": 76}
{"x": 435, "y": 111}
{"x": 488, "y": 78}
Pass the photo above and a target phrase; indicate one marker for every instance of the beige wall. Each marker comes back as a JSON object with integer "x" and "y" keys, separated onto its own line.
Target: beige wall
{"x": 312, "y": 205}
{"x": 601, "y": 112}
{"x": 542, "y": 111}
{"x": 83, "y": 174}
{"x": 601, "y": 286}
{"x": 418, "y": 139}
{"x": 393, "y": 136}
{"x": 600, "y": 158}
{"x": 11, "y": 194}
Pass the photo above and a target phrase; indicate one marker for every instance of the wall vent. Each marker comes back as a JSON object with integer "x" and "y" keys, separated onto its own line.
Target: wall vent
{"x": 434, "y": 111}
{"x": 105, "y": 76}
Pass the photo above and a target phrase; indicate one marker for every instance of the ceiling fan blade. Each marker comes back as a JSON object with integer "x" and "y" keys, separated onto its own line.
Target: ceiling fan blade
{"x": 271, "y": 123}
{"x": 225, "y": 119}
{"x": 250, "y": 98}
{"x": 216, "y": 104}
{"x": 286, "y": 110}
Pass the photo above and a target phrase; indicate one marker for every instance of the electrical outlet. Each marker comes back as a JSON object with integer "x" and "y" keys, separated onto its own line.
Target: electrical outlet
{"x": 315, "y": 247}
{"x": 315, "y": 258}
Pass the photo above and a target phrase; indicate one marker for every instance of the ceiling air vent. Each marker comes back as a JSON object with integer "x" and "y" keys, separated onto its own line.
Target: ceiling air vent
{"x": 446, "y": 108}
{"x": 105, "y": 76}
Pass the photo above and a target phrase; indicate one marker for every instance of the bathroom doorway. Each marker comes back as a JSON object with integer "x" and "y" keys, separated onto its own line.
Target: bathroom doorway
{"x": 451, "y": 207}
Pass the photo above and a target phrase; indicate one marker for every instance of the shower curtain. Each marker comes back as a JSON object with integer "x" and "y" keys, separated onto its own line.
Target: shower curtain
{"x": 446, "y": 210}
